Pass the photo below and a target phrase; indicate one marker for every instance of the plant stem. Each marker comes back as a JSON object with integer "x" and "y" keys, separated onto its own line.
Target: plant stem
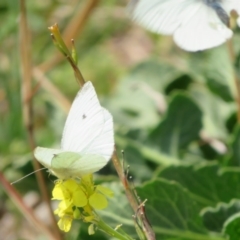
{"x": 74, "y": 28}
{"x": 26, "y": 67}
{"x": 60, "y": 44}
{"x": 236, "y": 78}
{"x": 107, "y": 229}
{"x": 147, "y": 229}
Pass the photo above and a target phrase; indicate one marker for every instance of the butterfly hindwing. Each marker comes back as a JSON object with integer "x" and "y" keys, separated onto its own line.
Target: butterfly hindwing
{"x": 70, "y": 164}
{"x": 45, "y": 155}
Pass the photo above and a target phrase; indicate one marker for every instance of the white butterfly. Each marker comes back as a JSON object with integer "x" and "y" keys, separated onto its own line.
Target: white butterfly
{"x": 195, "y": 24}
{"x": 87, "y": 142}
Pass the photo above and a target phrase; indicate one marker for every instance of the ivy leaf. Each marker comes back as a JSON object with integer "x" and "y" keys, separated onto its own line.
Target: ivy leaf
{"x": 207, "y": 183}
{"x": 180, "y": 127}
{"x": 214, "y": 217}
{"x": 231, "y": 227}
{"x": 118, "y": 211}
{"x": 172, "y": 212}
{"x": 233, "y": 157}
{"x": 215, "y": 111}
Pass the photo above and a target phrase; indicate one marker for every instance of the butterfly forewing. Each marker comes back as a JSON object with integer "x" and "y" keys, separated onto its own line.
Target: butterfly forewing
{"x": 84, "y": 122}
{"x": 162, "y": 16}
{"x": 103, "y": 143}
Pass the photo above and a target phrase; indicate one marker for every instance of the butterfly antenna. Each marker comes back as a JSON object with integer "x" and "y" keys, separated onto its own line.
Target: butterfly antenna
{"x": 27, "y": 175}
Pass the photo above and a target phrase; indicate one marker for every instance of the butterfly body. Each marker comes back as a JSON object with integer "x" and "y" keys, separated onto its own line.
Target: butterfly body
{"x": 87, "y": 142}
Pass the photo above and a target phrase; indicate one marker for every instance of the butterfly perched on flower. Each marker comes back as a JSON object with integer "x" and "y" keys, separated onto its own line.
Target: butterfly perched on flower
{"x": 87, "y": 142}
{"x": 195, "y": 24}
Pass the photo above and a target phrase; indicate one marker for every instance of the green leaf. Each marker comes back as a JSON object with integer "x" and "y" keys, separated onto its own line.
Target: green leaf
{"x": 131, "y": 104}
{"x": 231, "y": 227}
{"x": 222, "y": 76}
{"x": 207, "y": 182}
{"x": 180, "y": 127}
{"x": 172, "y": 212}
{"x": 233, "y": 157}
{"x": 118, "y": 210}
{"x": 135, "y": 98}
{"x": 215, "y": 111}
{"x": 220, "y": 89}
{"x": 214, "y": 217}
{"x": 157, "y": 73}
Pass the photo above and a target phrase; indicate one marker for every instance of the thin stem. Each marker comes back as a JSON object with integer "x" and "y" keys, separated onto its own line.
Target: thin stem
{"x": 74, "y": 28}
{"x": 107, "y": 229}
{"x": 131, "y": 196}
{"x": 27, "y": 105}
{"x": 236, "y": 78}
{"x": 60, "y": 44}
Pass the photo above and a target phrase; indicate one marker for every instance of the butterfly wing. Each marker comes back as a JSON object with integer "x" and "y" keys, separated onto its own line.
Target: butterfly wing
{"x": 70, "y": 164}
{"x": 45, "y": 156}
{"x": 84, "y": 121}
{"x": 103, "y": 144}
{"x": 162, "y": 16}
{"x": 205, "y": 30}
{"x": 89, "y": 127}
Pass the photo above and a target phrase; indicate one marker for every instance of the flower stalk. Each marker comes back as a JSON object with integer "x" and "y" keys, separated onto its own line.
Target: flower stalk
{"x": 61, "y": 46}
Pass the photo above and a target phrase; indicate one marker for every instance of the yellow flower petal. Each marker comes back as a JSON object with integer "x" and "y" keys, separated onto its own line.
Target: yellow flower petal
{"x": 98, "y": 201}
{"x": 70, "y": 185}
{"x": 65, "y": 223}
{"x": 60, "y": 192}
{"x": 63, "y": 208}
{"x": 79, "y": 198}
{"x": 88, "y": 179}
{"x": 106, "y": 191}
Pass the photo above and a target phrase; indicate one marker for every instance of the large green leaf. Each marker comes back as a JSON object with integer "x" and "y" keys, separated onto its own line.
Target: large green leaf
{"x": 231, "y": 227}
{"x": 172, "y": 212}
{"x": 180, "y": 127}
{"x": 233, "y": 157}
{"x": 215, "y": 111}
{"x": 118, "y": 210}
{"x": 208, "y": 183}
{"x": 214, "y": 217}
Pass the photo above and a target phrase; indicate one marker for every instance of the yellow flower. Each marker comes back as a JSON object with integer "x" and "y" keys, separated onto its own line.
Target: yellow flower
{"x": 65, "y": 223}
{"x": 78, "y": 199}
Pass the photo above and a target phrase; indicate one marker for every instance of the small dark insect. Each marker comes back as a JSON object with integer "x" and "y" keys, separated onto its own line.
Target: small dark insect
{"x": 84, "y": 116}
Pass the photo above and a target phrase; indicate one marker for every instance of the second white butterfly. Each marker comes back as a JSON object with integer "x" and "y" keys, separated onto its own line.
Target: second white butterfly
{"x": 195, "y": 24}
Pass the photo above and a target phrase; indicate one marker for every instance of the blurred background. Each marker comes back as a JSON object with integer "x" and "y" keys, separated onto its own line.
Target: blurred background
{"x": 169, "y": 106}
